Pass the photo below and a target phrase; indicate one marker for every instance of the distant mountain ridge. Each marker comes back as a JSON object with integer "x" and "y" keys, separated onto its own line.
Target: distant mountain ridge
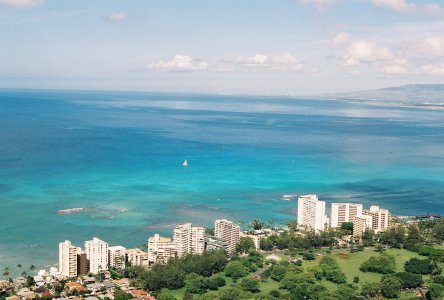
{"x": 411, "y": 94}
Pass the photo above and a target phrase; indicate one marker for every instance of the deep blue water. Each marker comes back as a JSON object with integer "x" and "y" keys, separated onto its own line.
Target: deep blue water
{"x": 119, "y": 154}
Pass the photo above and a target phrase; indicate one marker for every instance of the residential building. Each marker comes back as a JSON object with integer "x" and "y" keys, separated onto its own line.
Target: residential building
{"x": 311, "y": 213}
{"x": 97, "y": 255}
{"x": 137, "y": 257}
{"x": 160, "y": 249}
{"x": 82, "y": 262}
{"x": 228, "y": 232}
{"x": 213, "y": 243}
{"x": 68, "y": 259}
{"x": 380, "y": 218}
{"x": 361, "y": 224}
{"x": 344, "y": 212}
{"x": 116, "y": 257}
{"x": 189, "y": 239}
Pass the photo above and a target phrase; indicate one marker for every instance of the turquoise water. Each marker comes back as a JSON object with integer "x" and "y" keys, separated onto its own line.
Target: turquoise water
{"x": 119, "y": 156}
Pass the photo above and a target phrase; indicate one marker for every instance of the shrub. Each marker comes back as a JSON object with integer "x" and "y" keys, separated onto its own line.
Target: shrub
{"x": 383, "y": 264}
{"x": 391, "y": 287}
{"x": 409, "y": 280}
{"x": 418, "y": 266}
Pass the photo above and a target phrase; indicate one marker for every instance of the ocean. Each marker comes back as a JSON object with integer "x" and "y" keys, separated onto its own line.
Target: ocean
{"x": 118, "y": 155}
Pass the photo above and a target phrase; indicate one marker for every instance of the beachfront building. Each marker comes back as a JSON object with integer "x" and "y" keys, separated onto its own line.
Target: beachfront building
{"x": 189, "y": 239}
{"x": 311, "y": 213}
{"x": 213, "y": 243}
{"x": 380, "y": 218}
{"x": 137, "y": 257}
{"x": 97, "y": 255}
{"x": 160, "y": 249}
{"x": 361, "y": 224}
{"x": 68, "y": 259}
{"x": 117, "y": 257}
{"x": 344, "y": 212}
{"x": 228, "y": 232}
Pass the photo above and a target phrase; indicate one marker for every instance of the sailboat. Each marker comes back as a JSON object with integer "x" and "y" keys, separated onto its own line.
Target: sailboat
{"x": 185, "y": 163}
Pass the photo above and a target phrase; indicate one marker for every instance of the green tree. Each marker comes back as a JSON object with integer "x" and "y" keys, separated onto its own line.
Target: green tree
{"x": 236, "y": 270}
{"x": 257, "y": 224}
{"x": 384, "y": 264}
{"x": 250, "y": 284}
{"x": 393, "y": 237}
{"x": 165, "y": 295}
{"x": 368, "y": 238}
{"x": 346, "y": 292}
{"x": 347, "y": 226}
{"x": 435, "y": 291}
{"x": 122, "y": 296}
{"x": 335, "y": 276}
{"x": 413, "y": 242}
{"x": 370, "y": 289}
{"x": 419, "y": 266}
{"x": 266, "y": 244}
{"x": 391, "y": 287}
{"x": 245, "y": 244}
{"x": 196, "y": 284}
{"x": 278, "y": 272}
{"x": 409, "y": 280}
{"x": 230, "y": 293}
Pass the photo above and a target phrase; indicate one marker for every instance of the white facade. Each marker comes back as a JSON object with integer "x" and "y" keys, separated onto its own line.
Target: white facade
{"x": 160, "y": 249}
{"x": 137, "y": 257}
{"x": 189, "y": 239}
{"x": 228, "y": 232}
{"x": 97, "y": 255}
{"x": 116, "y": 257}
{"x": 344, "y": 212}
{"x": 380, "y": 218}
{"x": 361, "y": 224}
{"x": 68, "y": 259}
{"x": 311, "y": 213}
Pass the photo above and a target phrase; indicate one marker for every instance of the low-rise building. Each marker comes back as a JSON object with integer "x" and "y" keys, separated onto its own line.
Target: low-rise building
{"x": 160, "y": 249}
{"x": 117, "y": 257}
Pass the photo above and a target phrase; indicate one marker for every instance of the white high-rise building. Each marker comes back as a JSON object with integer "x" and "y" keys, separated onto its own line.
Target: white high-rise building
{"x": 97, "y": 255}
{"x": 361, "y": 224}
{"x": 137, "y": 257}
{"x": 160, "y": 249}
{"x": 189, "y": 239}
{"x": 228, "y": 232}
{"x": 344, "y": 212}
{"x": 380, "y": 218}
{"x": 116, "y": 257}
{"x": 311, "y": 213}
{"x": 68, "y": 259}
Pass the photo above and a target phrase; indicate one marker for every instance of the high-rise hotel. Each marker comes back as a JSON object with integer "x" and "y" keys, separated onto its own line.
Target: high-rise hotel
{"x": 311, "y": 213}
{"x": 97, "y": 254}
{"x": 344, "y": 212}
{"x": 228, "y": 232}
{"x": 189, "y": 239}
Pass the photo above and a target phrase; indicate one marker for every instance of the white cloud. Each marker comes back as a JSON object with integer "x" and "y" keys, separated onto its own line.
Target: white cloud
{"x": 281, "y": 62}
{"x": 364, "y": 51}
{"x": 118, "y": 16}
{"x": 341, "y": 39}
{"x": 397, "y": 5}
{"x": 433, "y": 10}
{"x": 21, "y": 3}
{"x": 434, "y": 70}
{"x": 395, "y": 69}
{"x": 179, "y": 63}
{"x": 430, "y": 46}
{"x": 321, "y": 5}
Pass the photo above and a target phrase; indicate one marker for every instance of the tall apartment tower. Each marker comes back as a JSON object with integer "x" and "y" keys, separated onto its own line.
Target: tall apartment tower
{"x": 380, "y": 218}
{"x": 116, "y": 257}
{"x": 97, "y": 254}
{"x": 228, "y": 232}
{"x": 68, "y": 259}
{"x": 311, "y": 213}
{"x": 344, "y": 212}
{"x": 160, "y": 249}
{"x": 189, "y": 239}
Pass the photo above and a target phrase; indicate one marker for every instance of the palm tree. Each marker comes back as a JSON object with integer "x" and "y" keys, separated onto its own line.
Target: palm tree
{"x": 19, "y": 265}
{"x": 32, "y": 267}
{"x": 6, "y": 271}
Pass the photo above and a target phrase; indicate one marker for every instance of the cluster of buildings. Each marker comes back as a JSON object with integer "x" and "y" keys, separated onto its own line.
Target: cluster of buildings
{"x": 98, "y": 256}
{"x": 312, "y": 216}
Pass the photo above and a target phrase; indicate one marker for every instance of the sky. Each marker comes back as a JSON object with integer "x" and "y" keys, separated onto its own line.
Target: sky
{"x": 262, "y": 47}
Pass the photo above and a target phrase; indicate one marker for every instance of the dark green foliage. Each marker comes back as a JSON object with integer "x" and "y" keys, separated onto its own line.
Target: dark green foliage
{"x": 335, "y": 276}
{"x": 383, "y": 264}
{"x": 368, "y": 238}
{"x": 393, "y": 237}
{"x": 236, "y": 270}
{"x": 277, "y": 272}
{"x": 250, "y": 284}
{"x": 370, "y": 289}
{"x": 438, "y": 279}
{"x": 409, "y": 280}
{"x": 216, "y": 282}
{"x": 413, "y": 241}
{"x": 419, "y": 266}
{"x": 230, "y": 293}
{"x": 346, "y": 292}
{"x": 266, "y": 244}
{"x": 391, "y": 287}
{"x": 356, "y": 279}
{"x": 309, "y": 256}
{"x": 245, "y": 244}
{"x": 348, "y": 226}
{"x": 435, "y": 291}
{"x": 122, "y": 296}
{"x": 196, "y": 284}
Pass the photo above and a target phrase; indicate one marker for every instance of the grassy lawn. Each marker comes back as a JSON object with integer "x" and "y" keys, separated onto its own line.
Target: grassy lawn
{"x": 350, "y": 262}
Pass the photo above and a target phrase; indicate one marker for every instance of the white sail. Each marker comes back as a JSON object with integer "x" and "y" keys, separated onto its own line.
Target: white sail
{"x": 185, "y": 163}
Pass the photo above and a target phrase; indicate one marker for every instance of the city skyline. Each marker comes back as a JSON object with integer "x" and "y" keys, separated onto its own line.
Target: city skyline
{"x": 249, "y": 47}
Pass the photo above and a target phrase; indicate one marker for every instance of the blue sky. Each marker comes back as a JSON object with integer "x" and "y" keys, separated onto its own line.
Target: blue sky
{"x": 293, "y": 47}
